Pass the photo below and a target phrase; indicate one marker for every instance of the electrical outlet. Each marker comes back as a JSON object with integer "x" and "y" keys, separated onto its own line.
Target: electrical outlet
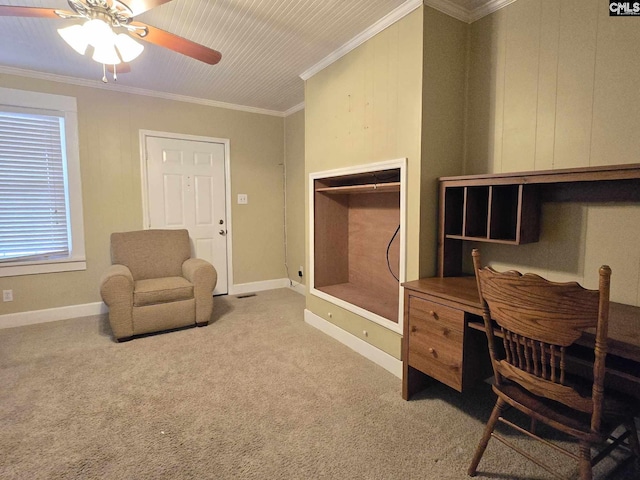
{"x": 243, "y": 199}
{"x": 7, "y": 295}
{"x": 300, "y": 271}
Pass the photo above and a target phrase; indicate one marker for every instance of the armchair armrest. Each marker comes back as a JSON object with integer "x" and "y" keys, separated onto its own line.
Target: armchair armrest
{"x": 116, "y": 290}
{"x": 204, "y": 278}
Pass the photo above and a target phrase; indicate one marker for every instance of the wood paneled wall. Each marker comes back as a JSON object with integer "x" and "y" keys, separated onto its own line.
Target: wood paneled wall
{"x": 554, "y": 84}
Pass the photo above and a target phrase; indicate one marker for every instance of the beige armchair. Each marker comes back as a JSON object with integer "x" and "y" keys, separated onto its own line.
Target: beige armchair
{"x": 154, "y": 285}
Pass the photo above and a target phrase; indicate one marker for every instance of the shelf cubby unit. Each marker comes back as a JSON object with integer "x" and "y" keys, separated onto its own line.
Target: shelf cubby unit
{"x": 506, "y": 213}
{"x": 492, "y": 214}
{"x": 505, "y": 208}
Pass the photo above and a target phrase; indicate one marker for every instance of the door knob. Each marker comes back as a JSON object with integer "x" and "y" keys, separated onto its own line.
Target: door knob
{"x": 222, "y": 232}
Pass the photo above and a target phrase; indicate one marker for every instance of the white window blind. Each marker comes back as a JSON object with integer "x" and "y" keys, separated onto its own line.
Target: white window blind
{"x": 34, "y": 220}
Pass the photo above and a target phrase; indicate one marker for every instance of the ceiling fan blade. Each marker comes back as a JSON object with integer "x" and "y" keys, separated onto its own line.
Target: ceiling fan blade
{"x": 177, "y": 44}
{"x": 11, "y": 11}
{"x": 140, "y": 6}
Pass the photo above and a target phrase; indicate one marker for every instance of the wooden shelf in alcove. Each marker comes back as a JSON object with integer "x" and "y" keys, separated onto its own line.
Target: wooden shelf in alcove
{"x": 367, "y": 188}
{"x": 363, "y": 298}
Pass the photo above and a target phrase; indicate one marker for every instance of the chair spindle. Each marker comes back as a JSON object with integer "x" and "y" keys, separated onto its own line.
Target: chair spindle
{"x": 505, "y": 341}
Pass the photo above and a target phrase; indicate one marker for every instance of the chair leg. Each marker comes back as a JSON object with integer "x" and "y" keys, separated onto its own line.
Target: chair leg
{"x": 584, "y": 463}
{"x": 486, "y": 436}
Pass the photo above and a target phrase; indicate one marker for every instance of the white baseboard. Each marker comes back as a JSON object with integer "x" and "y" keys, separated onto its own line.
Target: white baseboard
{"x": 84, "y": 310}
{"x": 300, "y": 288}
{"x": 251, "y": 287}
{"x": 377, "y": 356}
{"x": 10, "y": 320}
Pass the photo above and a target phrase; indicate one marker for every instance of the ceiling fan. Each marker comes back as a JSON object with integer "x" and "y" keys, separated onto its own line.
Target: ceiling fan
{"x": 102, "y": 19}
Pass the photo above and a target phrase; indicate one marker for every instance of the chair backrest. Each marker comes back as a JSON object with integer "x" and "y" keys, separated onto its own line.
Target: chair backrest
{"x": 537, "y": 320}
{"x": 151, "y": 253}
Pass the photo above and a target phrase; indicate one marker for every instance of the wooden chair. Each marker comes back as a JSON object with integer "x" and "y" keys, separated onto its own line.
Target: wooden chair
{"x": 537, "y": 321}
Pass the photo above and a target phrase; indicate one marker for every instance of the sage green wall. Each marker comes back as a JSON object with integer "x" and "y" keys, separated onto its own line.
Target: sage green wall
{"x": 109, "y": 124}
{"x": 443, "y": 100}
{"x": 401, "y": 94}
{"x": 555, "y": 85}
{"x": 295, "y": 188}
{"x": 364, "y": 108}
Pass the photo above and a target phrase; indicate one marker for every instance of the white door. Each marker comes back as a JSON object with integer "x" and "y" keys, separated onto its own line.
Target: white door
{"x": 186, "y": 189}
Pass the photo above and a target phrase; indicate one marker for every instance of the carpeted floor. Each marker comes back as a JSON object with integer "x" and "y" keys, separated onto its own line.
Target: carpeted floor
{"x": 258, "y": 394}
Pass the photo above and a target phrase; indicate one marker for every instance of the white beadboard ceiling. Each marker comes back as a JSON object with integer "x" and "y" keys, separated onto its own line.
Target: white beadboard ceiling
{"x": 266, "y": 46}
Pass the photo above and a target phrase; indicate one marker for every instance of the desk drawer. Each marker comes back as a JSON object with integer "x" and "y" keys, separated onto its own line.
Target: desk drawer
{"x": 436, "y": 340}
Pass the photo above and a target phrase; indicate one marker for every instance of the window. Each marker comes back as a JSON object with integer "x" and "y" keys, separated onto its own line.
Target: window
{"x": 41, "y": 227}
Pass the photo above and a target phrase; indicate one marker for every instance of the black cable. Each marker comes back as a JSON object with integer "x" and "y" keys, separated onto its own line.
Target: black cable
{"x": 388, "y": 247}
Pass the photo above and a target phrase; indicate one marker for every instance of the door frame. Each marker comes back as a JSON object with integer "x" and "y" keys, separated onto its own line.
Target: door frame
{"x": 227, "y": 184}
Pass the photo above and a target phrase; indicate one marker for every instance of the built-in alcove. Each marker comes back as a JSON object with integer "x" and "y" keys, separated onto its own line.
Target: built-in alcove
{"x": 356, "y": 239}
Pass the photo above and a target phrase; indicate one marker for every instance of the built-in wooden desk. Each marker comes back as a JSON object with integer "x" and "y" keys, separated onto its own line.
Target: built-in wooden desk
{"x": 444, "y": 338}
{"x": 443, "y": 329}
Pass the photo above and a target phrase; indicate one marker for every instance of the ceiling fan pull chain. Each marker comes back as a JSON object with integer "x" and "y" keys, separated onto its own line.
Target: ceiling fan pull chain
{"x": 115, "y": 73}
{"x": 104, "y": 73}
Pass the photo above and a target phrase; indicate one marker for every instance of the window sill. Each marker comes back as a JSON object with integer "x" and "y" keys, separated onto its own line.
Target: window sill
{"x": 48, "y": 267}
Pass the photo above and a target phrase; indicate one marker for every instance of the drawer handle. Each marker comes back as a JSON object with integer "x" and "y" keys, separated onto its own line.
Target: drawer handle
{"x": 414, "y": 328}
{"x": 433, "y": 314}
{"x": 432, "y": 351}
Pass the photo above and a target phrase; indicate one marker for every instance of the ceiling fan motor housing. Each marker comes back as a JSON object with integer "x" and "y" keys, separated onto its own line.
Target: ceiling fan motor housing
{"x": 115, "y": 13}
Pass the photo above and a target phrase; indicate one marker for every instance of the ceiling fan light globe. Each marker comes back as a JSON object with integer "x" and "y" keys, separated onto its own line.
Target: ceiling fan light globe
{"x": 98, "y": 33}
{"x": 106, "y": 54}
{"x": 127, "y": 47}
{"x": 75, "y": 37}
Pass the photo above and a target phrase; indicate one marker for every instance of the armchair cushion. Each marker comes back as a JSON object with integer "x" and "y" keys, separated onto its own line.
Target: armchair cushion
{"x": 161, "y": 290}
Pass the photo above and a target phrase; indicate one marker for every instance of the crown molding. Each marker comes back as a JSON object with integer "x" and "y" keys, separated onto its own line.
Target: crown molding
{"x": 487, "y": 9}
{"x": 445, "y": 6}
{"x": 464, "y": 14}
{"x": 136, "y": 91}
{"x": 294, "y": 109}
{"x": 449, "y": 8}
{"x": 389, "y": 19}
